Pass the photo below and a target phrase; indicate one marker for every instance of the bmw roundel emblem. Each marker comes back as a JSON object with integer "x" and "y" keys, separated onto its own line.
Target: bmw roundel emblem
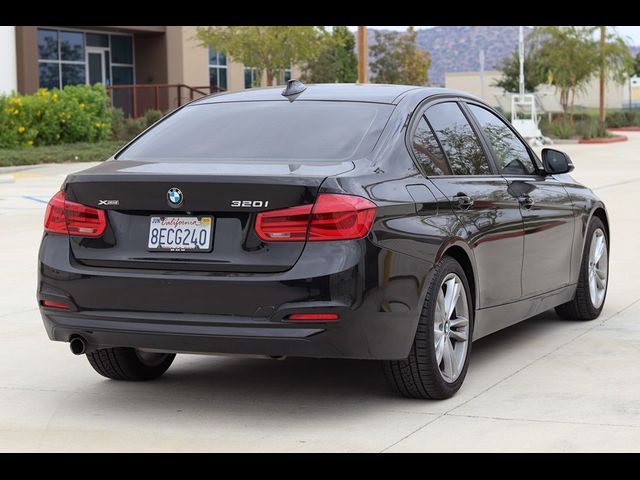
{"x": 175, "y": 197}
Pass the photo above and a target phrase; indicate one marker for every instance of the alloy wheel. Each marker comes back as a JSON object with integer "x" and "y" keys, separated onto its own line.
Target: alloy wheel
{"x": 598, "y": 268}
{"x": 451, "y": 327}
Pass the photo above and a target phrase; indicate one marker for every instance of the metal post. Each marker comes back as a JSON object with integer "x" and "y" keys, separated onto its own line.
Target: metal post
{"x": 521, "y": 55}
{"x": 157, "y": 97}
{"x": 179, "y": 94}
{"x": 134, "y": 101}
{"x": 482, "y": 74}
{"x": 603, "y": 35}
{"x": 363, "y": 56}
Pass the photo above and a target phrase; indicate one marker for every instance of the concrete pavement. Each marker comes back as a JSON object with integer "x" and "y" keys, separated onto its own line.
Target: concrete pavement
{"x": 543, "y": 385}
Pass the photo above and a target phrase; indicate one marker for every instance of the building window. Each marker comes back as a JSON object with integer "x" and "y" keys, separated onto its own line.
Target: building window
{"x": 250, "y": 76}
{"x": 121, "y": 59}
{"x": 61, "y": 58}
{"x": 217, "y": 69}
{"x": 63, "y": 54}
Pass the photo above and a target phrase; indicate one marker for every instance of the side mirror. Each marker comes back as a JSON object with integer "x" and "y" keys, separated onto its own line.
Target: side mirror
{"x": 555, "y": 161}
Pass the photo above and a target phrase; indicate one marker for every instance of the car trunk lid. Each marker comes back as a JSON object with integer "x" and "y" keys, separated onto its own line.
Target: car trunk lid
{"x": 232, "y": 193}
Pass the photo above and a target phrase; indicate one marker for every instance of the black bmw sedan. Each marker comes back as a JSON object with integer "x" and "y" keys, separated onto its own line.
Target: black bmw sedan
{"x": 381, "y": 222}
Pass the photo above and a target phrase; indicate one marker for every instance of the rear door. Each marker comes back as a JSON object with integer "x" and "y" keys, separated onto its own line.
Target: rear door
{"x": 456, "y": 162}
{"x": 545, "y": 205}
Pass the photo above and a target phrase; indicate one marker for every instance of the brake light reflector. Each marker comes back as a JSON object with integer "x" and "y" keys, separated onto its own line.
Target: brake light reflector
{"x": 318, "y": 317}
{"x": 70, "y": 218}
{"x": 54, "y": 304}
{"x": 332, "y": 217}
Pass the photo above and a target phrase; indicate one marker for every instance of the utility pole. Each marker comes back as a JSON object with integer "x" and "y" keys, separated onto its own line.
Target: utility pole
{"x": 481, "y": 55}
{"x": 363, "y": 56}
{"x": 521, "y": 57}
{"x": 603, "y": 36}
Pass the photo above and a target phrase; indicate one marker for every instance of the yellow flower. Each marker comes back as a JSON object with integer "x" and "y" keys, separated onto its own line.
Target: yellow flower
{"x": 42, "y": 92}
{"x": 82, "y": 105}
{"x": 16, "y": 101}
{"x": 98, "y": 125}
{"x": 16, "y": 111}
{"x": 54, "y": 97}
{"x": 21, "y": 129}
{"x": 57, "y": 136}
{"x": 30, "y": 142}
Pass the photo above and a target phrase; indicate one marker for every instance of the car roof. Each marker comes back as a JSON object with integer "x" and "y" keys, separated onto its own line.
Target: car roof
{"x": 345, "y": 92}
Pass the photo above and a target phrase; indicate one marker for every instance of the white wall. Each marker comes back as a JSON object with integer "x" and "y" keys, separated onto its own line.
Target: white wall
{"x": 8, "y": 69}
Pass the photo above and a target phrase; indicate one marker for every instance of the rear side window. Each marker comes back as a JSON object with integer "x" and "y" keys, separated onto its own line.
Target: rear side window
{"x": 264, "y": 131}
{"x": 428, "y": 151}
{"x": 513, "y": 155}
{"x": 458, "y": 140}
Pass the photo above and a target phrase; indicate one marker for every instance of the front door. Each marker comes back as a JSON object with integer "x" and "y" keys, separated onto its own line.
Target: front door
{"x": 546, "y": 208}
{"x": 98, "y": 70}
{"x": 547, "y": 212}
{"x": 455, "y": 161}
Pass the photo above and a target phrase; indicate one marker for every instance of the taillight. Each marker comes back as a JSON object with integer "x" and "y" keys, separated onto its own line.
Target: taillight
{"x": 332, "y": 217}
{"x": 70, "y": 218}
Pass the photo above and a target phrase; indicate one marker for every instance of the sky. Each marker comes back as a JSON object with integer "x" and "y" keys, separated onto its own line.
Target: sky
{"x": 633, "y": 33}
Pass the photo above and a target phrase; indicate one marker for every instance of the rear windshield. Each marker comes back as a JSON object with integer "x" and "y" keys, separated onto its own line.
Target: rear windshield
{"x": 266, "y": 130}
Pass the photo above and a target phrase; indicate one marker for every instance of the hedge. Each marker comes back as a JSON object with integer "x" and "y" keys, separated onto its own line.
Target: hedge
{"x": 77, "y": 113}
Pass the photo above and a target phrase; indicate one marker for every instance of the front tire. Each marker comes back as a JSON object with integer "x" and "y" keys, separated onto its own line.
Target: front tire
{"x": 439, "y": 358}
{"x": 593, "y": 278}
{"x": 122, "y": 363}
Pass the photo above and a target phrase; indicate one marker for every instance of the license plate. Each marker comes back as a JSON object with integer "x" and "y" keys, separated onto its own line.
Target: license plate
{"x": 180, "y": 234}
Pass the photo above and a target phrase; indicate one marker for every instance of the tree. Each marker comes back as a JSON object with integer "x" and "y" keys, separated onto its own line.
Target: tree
{"x": 510, "y": 68}
{"x": 397, "y": 59}
{"x": 570, "y": 57}
{"x": 336, "y": 61}
{"x": 615, "y": 61}
{"x": 270, "y": 50}
{"x": 637, "y": 65}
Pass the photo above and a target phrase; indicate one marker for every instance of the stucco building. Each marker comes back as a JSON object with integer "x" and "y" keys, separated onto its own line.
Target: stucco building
{"x": 167, "y": 63}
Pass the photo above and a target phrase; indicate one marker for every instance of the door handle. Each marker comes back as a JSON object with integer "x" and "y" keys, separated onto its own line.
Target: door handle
{"x": 526, "y": 201}
{"x": 463, "y": 201}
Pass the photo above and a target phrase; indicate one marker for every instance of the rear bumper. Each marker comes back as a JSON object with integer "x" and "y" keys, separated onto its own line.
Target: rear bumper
{"x": 377, "y": 293}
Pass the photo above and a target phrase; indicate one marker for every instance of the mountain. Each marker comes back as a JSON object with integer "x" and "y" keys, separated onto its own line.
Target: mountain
{"x": 457, "y": 49}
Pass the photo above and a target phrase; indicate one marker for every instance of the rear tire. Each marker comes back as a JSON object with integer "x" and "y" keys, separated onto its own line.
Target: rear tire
{"x": 426, "y": 373}
{"x": 584, "y": 306}
{"x": 122, "y": 363}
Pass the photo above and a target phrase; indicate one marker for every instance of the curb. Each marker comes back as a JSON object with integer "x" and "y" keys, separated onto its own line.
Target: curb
{"x": 624, "y": 129}
{"x": 616, "y": 139}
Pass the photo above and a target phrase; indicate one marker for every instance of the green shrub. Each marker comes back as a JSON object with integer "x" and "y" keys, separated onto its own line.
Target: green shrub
{"x": 117, "y": 124}
{"x": 151, "y": 117}
{"x": 127, "y": 128}
{"x": 623, "y": 119}
{"x": 77, "y": 113}
{"x": 583, "y": 126}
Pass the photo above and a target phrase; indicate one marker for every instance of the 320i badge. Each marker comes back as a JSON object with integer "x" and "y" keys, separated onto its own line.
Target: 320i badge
{"x": 380, "y": 222}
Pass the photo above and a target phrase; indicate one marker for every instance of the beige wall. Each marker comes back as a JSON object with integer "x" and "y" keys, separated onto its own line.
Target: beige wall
{"x": 470, "y": 82}
{"x": 235, "y": 76}
{"x": 188, "y": 61}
